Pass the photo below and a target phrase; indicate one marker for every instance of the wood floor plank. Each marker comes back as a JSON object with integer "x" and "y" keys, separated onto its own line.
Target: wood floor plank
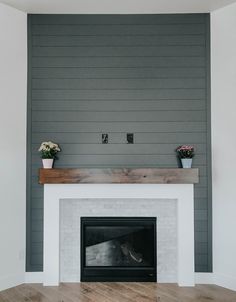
{"x": 52, "y": 293}
{"x": 33, "y": 294}
{"x": 150, "y": 291}
{"x": 14, "y": 296}
{"x": 117, "y": 292}
{"x": 91, "y": 293}
{"x": 109, "y": 289}
{"x": 131, "y": 293}
{"x": 217, "y": 293}
{"x": 3, "y": 297}
{"x": 74, "y": 293}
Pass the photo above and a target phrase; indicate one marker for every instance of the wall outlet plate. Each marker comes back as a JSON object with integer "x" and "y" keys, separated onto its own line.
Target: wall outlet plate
{"x": 104, "y": 138}
{"x": 130, "y": 138}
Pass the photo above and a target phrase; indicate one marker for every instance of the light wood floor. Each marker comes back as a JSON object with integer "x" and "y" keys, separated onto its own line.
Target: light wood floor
{"x": 114, "y": 292}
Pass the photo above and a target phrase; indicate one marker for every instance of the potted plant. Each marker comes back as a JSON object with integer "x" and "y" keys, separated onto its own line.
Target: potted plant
{"x": 186, "y": 154}
{"x": 48, "y": 153}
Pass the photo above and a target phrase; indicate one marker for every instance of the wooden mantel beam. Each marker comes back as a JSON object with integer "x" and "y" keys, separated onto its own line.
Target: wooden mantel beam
{"x": 118, "y": 176}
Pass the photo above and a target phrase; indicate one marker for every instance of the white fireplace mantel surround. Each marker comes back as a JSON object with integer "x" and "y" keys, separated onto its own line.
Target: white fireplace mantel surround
{"x": 185, "y": 220}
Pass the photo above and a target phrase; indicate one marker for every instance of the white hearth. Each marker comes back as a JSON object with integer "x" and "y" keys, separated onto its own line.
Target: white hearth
{"x": 181, "y": 193}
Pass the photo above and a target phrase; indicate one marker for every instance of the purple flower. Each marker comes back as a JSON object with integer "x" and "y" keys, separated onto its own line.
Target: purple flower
{"x": 185, "y": 151}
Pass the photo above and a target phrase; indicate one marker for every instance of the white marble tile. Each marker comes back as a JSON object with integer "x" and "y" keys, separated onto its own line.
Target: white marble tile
{"x": 164, "y": 209}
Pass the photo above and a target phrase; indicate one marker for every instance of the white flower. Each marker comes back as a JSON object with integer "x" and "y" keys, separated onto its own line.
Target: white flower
{"x": 48, "y": 146}
{"x": 51, "y": 145}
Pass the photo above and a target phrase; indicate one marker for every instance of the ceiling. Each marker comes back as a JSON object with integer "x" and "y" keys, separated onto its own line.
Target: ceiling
{"x": 117, "y": 6}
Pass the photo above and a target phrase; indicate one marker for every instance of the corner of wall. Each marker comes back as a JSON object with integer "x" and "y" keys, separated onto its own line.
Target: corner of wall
{"x": 13, "y": 76}
{"x": 223, "y": 78}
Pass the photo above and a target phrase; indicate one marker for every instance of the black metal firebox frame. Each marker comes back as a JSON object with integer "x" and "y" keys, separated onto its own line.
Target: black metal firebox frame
{"x": 111, "y": 273}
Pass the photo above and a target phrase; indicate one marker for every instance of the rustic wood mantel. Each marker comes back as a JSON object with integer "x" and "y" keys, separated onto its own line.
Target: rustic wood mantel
{"x": 118, "y": 176}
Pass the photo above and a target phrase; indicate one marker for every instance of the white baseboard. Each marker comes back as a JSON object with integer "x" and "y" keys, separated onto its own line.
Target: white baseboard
{"x": 34, "y": 277}
{"x": 225, "y": 281}
{"x": 11, "y": 281}
{"x": 217, "y": 279}
{"x": 204, "y": 278}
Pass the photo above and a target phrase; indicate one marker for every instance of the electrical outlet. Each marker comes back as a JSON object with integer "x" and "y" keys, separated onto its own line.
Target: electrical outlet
{"x": 130, "y": 138}
{"x": 104, "y": 138}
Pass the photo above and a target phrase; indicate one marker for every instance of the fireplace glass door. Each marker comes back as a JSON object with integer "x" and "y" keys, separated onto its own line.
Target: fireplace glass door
{"x": 118, "y": 249}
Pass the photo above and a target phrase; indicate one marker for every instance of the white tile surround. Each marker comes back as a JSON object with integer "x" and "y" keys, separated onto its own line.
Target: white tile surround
{"x": 183, "y": 193}
{"x": 165, "y": 210}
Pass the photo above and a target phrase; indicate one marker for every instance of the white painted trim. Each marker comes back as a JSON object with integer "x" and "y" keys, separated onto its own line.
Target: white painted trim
{"x": 34, "y": 277}
{"x": 182, "y": 192}
{"x": 217, "y": 279}
{"x": 11, "y": 281}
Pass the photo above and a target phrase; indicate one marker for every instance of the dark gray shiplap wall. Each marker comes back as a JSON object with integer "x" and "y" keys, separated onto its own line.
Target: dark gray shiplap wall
{"x": 93, "y": 74}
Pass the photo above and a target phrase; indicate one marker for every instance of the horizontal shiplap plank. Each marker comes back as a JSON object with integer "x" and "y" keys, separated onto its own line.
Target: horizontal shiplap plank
{"x": 88, "y": 149}
{"x": 201, "y": 248}
{"x": 120, "y": 138}
{"x": 201, "y": 237}
{"x": 180, "y": 138}
{"x": 84, "y": 84}
{"x": 131, "y": 116}
{"x": 200, "y": 192}
{"x": 37, "y": 214}
{"x": 36, "y": 248}
{"x": 107, "y": 94}
{"x": 37, "y": 192}
{"x": 36, "y": 203}
{"x": 201, "y": 268}
{"x": 117, "y": 105}
{"x": 118, "y": 62}
{"x": 200, "y": 215}
{"x": 119, "y": 159}
{"x": 200, "y": 226}
{"x": 116, "y": 73}
{"x": 37, "y": 261}
{"x": 201, "y": 203}
{"x": 119, "y": 29}
{"x": 124, "y": 51}
{"x": 109, "y": 19}
{"x": 201, "y": 259}
{"x": 37, "y": 236}
{"x": 71, "y": 127}
{"x": 40, "y": 40}
{"x": 203, "y": 182}
{"x": 37, "y": 226}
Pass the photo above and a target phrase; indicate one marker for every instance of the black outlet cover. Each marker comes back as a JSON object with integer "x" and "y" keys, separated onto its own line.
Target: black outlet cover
{"x": 130, "y": 138}
{"x": 105, "y": 138}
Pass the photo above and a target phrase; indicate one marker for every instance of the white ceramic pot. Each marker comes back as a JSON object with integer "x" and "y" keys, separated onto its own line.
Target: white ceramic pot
{"x": 47, "y": 163}
{"x": 186, "y": 163}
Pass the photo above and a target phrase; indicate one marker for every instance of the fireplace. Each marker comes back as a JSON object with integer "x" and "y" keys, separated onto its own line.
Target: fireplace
{"x": 118, "y": 249}
{"x": 171, "y": 204}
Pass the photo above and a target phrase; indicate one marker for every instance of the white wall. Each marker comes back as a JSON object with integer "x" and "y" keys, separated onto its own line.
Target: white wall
{"x": 223, "y": 52}
{"x": 13, "y": 74}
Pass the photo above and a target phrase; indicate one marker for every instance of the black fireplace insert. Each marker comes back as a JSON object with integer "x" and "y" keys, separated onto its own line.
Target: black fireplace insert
{"x": 118, "y": 249}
